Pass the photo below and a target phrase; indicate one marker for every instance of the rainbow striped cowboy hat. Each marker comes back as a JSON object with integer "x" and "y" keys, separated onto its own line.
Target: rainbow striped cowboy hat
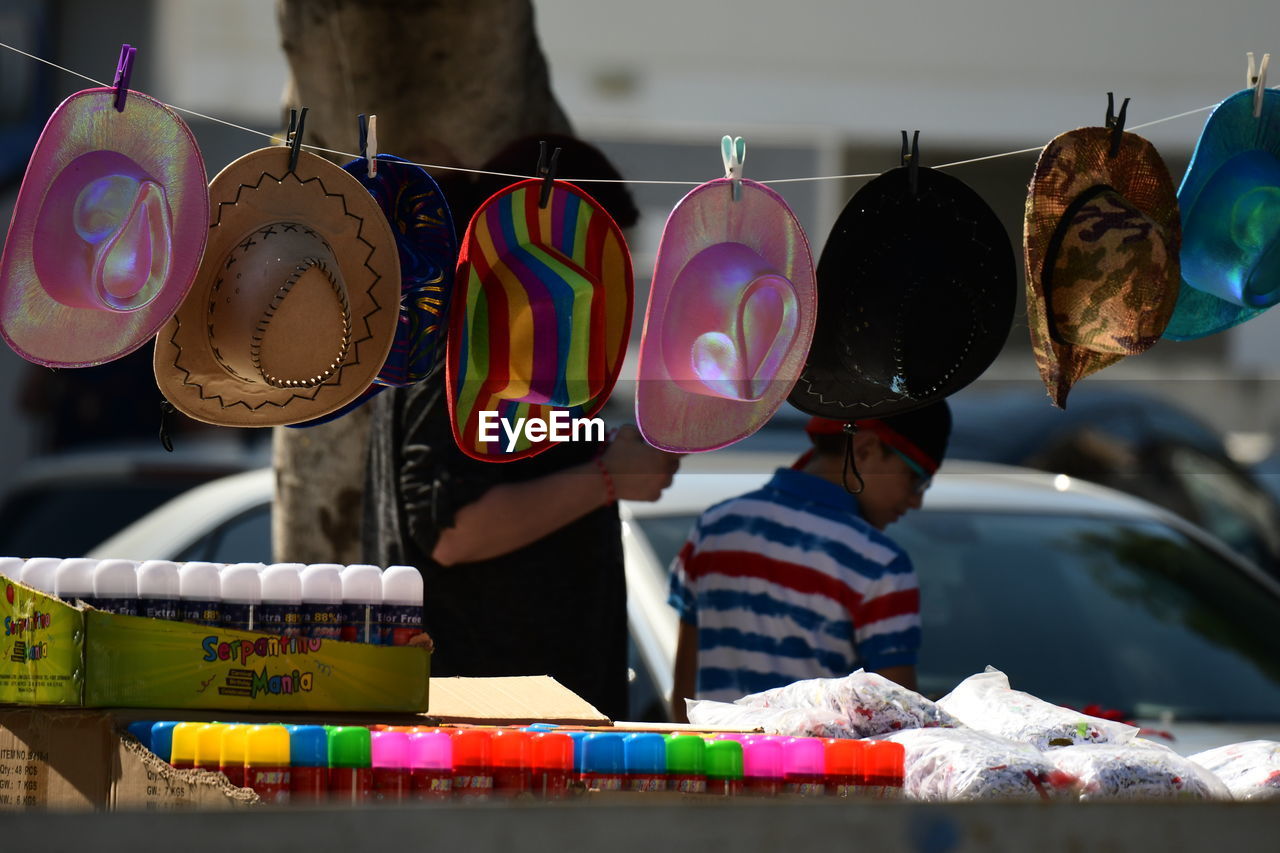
{"x": 730, "y": 318}
{"x": 541, "y": 314}
{"x": 107, "y": 231}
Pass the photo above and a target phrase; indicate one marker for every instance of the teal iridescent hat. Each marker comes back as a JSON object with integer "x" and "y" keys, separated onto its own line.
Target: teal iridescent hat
{"x": 1230, "y": 200}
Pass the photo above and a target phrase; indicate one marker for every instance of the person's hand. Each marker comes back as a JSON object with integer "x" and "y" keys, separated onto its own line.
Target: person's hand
{"x": 639, "y": 472}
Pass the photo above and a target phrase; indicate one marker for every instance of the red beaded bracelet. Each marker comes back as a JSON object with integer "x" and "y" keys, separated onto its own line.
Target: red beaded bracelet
{"x": 608, "y": 481}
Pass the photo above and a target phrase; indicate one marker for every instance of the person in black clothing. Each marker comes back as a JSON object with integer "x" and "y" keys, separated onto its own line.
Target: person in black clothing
{"x": 521, "y": 561}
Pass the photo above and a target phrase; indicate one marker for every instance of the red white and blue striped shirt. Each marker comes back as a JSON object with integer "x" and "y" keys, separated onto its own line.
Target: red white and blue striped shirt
{"x": 790, "y": 582}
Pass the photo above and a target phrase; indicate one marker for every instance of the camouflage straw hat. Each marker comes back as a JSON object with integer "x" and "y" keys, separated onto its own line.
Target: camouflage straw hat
{"x": 1101, "y": 243}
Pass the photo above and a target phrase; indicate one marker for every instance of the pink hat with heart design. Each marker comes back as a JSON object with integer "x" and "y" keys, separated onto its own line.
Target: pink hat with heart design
{"x": 107, "y": 231}
{"x": 731, "y": 315}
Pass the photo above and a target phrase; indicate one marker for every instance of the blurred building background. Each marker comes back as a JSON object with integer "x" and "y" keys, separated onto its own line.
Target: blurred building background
{"x": 817, "y": 87}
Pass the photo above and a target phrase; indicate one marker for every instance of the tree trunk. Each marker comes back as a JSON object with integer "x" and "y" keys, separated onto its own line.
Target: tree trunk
{"x": 451, "y": 81}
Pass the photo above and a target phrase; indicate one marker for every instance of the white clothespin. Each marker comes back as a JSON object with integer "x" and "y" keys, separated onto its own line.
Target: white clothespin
{"x": 1257, "y": 80}
{"x": 371, "y": 147}
{"x": 734, "y": 151}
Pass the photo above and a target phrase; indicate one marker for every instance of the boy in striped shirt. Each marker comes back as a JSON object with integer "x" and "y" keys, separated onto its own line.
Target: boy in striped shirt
{"x": 797, "y": 579}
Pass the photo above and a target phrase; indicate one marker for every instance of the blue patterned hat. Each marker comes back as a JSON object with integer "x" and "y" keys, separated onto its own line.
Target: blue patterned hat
{"x": 423, "y": 227}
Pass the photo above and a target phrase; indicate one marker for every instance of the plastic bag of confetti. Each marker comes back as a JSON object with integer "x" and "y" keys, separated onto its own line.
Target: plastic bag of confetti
{"x": 986, "y": 702}
{"x": 792, "y": 722}
{"x": 1118, "y": 771}
{"x": 1250, "y": 770}
{"x": 870, "y": 703}
{"x": 962, "y": 764}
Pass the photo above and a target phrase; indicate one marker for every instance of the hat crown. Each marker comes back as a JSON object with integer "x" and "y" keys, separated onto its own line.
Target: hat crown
{"x": 1101, "y": 239}
{"x": 542, "y": 329}
{"x": 427, "y": 248}
{"x": 732, "y": 320}
{"x": 280, "y": 285}
{"x": 1232, "y": 232}
{"x": 540, "y": 319}
{"x": 731, "y": 312}
{"x": 918, "y": 288}
{"x": 1106, "y": 267}
{"x": 104, "y": 235}
{"x": 540, "y": 301}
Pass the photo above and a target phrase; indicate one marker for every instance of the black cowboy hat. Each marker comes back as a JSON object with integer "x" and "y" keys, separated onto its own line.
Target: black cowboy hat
{"x": 916, "y": 291}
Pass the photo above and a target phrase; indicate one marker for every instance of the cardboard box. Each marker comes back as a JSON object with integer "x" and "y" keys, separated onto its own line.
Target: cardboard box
{"x": 42, "y": 649}
{"x": 55, "y": 654}
{"x": 70, "y": 759}
{"x": 513, "y": 700}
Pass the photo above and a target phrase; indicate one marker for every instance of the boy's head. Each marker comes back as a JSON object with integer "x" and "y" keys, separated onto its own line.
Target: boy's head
{"x": 896, "y": 458}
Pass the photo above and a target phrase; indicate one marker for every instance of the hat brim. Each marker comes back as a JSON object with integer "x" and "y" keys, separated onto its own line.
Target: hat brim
{"x": 595, "y": 244}
{"x": 682, "y": 421}
{"x": 945, "y": 245}
{"x": 45, "y": 331}
{"x": 257, "y": 189}
{"x": 1071, "y": 164}
{"x": 1230, "y": 130}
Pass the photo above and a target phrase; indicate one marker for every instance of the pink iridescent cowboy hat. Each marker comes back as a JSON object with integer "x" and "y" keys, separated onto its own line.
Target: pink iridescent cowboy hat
{"x": 731, "y": 315}
{"x": 107, "y": 232}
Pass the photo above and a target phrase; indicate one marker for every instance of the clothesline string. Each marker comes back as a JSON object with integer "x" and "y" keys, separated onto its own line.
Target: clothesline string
{"x": 317, "y": 148}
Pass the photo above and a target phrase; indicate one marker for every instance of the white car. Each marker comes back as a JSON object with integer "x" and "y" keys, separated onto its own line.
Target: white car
{"x": 1082, "y": 595}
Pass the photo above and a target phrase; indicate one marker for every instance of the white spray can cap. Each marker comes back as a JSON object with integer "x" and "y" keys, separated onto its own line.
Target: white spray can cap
{"x": 115, "y": 579}
{"x": 322, "y": 583}
{"x": 198, "y": 581}
{"x": 241, "y": 584}
{"x": 72, "y": 579}
{"x": 402, "y": 585}
{"x": 158, "y": 579}
{"x": 362, "y": 584}
{"x": 38, "y": 572}
{"x": 282, "y": 583}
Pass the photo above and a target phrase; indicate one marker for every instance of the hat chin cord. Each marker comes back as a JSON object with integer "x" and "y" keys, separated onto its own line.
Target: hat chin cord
{"x": 849, "y": 463}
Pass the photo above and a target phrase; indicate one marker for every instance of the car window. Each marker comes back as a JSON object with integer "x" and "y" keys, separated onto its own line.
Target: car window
{"x": 242, "y": 539}
{"x": 666, "y": 534}
{"x": 61, "y": 521}
{"x": 1227, "y": 504}
{"x": 1131, "y": 615}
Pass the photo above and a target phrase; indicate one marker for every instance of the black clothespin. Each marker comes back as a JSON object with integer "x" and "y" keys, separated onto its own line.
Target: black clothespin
{"x": 1116, "y": 123}
{"x": 294, "y": 138}
{"x": 546, "y": 171}
{"x": 912, "y": 161}
{"x": 124, "y": 72}
{"x": 849, "y": 429}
